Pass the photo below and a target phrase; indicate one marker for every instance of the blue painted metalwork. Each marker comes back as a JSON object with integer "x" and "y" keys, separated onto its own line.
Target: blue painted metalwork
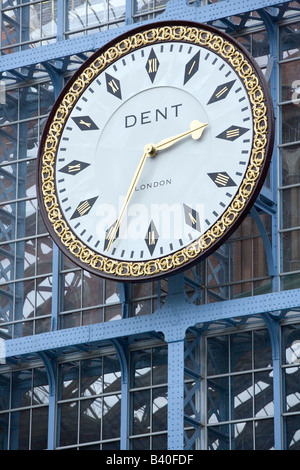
{"x": 175, "y": 9}
{"x": 122, "y": 351}
{"x": 50, "y": 366}
{"x": 273, "y": 327}
{"x": 267, "y": 244}
{"x": 60, "y": 20}
{"x": 178, "y": 315}
{"x": 273, "y": 80}
{"x": 173, "y": 319}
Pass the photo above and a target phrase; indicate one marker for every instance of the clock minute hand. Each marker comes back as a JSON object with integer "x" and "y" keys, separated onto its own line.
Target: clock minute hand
{"x": 138, "y": 171}
{"x": 196, "y": 130}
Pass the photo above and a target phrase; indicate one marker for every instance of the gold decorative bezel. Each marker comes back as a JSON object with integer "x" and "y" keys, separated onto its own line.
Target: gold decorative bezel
{"x": 244, "y": 66}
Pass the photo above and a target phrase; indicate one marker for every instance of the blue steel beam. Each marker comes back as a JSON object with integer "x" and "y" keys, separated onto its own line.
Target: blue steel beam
{"x": 175, "y": 9}
{"x": 173, "y": 319}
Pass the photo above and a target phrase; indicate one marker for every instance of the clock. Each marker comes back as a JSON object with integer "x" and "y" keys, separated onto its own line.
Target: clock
{"x": 155, "y": 151}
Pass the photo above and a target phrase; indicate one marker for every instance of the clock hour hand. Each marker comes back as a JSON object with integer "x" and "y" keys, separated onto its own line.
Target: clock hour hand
{"x": 113, "y": 232}
{"x": 196, "y": 130}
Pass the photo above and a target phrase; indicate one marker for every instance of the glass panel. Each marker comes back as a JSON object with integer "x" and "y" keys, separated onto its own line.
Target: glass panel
{"x": 262, "y": 349}
{"x": 142, "y": 307}
{"x": 68, "y": 413}
{"x": 111, "y": 292}
{"x": 113, "y": 313}
{"x": 290, "y": 81}
{"x": 26, "y": 289}
{"x": 39, "y": 431}
{"x": 159, "y": 409}
{"x": 260, "y": 265}
{"x": 91, "y": 377}
{"x": 20, "y": 428}
{"x": 7, "y": 257}
{"x": 160, "y": 365}
{"x": 21, "y": 388}
{"x": 218, "y": 437}
{"x": 291, "y": 250}
{"x": 217, "y": 400}
{"x": 292, "y": 394}
{"x": 141, "y": 361}
{"x": 6, "y": 308}
{"x": 26, "y": 226}
{"x": 240, "y": 349}
{"x": 8, "y": 138}
{"x": 90, "y": 420}
{"x": 44, "y": 255}
{"x": 242, "y": 254}
{"x": 140, "y": 443}
{"x": 76, "y": 12}
{"x": 48, "y": 18}
{"x": 290, "y": 203}
{"x": 263, "y": 394}
{"x": 264, "y": 434}
{"x": 72, "y": 297}
{"x": 47, "y": 97}
{"x": 290, "y": 164}
{"x": 290, "y": 282}
{"x": 291, "y": 344}
{"x": 93, "y": 287}
{"x": 143, "y": 7}
{"x": 292, "y": 433}
{"x": 290, "y": 123}
{"x": 243, "y": 436}
{"x": 111, "y": 374}
{"x": 93, "y": 316}
{"x": 111, "y": 445}
{"x": 8, "y": 187}
{"x": 43, "y": 296}
{"x": 111, "y": 416}
{"x": 96, "y": 12}
{"x": 217, "y": 355}
{"x": 289, "y": 36}
{"x": 242, "y": 396}
{"x": 40, "y": 392}
{"x": 69, "y": 380}
{"x": 10, "y": 25}
{"x": 4, "y": 392}
{"x": 160, "y": 442}
{"x": 26, "y": 257}
{"x": 4, "y": 423}
{"x": 141, "y": 412}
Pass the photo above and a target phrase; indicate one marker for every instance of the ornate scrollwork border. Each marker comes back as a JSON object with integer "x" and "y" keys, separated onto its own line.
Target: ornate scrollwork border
{"x": 261, "y": 149}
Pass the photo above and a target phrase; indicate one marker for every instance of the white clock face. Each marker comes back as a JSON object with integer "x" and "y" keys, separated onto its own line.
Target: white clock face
{"x": 115, "y": 201}
{"x": 152, "y": 94}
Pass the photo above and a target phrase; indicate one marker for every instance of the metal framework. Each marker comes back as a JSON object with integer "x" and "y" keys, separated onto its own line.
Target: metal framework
{"x": 180, "y": 314}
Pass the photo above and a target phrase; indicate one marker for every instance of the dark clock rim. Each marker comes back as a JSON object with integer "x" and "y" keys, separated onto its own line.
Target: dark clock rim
{"x": 250, "y": 201}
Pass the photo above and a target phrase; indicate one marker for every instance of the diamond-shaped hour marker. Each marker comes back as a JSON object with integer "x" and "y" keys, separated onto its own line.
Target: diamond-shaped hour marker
{"x": 221, "y": 179}
{"x": 84, "y": 207}
{"x": 151, "y": 237}
{"x": 191, "y": 67}
{"x": 74, "y": 167}
{"x": 152, "y": 65}
{"x": 85, "y": 123}
{"x": 232, "y": 133}
{"x": 191, "y": 217}
{"x": 113, "y": 86}
{"x": 221, "y": 92}
{"x": 109, "y": 234}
